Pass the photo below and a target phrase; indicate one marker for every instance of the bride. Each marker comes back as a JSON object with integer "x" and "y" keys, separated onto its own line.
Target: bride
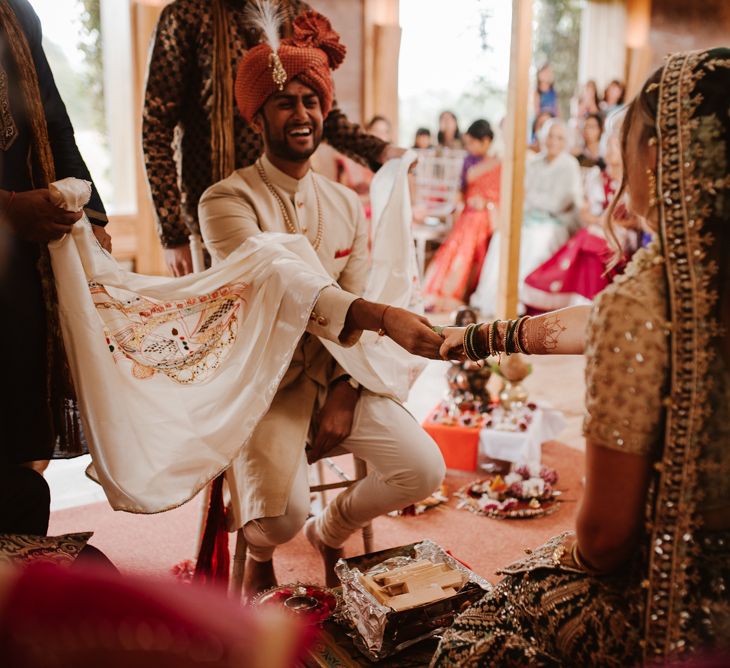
{"x": 644, "y": 578}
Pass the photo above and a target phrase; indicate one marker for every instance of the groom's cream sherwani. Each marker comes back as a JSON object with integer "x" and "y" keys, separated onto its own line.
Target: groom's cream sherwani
{"x": 233, "y": 210}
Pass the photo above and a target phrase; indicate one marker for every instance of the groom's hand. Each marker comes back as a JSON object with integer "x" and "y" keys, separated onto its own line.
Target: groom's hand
{"x": 335, "y": 419}
{"x": 412, "y": 332}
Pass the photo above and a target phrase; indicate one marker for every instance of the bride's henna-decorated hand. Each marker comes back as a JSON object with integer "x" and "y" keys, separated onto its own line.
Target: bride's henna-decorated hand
{"x": 541, "y": 336}
{"x": 555, "y": 333}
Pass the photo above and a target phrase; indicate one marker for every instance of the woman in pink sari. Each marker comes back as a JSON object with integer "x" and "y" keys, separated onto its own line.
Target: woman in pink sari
{"x": 582, "y": 267}
{"x": 454, "y": 272}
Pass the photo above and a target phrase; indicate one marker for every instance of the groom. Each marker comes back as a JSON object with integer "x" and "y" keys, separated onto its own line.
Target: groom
{"x": 285, "y": 95}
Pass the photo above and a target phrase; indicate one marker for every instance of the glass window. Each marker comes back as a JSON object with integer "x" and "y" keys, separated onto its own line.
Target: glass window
{"x": 88, "y": 45}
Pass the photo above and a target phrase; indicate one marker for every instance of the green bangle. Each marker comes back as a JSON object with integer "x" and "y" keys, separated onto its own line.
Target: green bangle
{"x": 479, "y": 345}
{"x": 509, "y": 347}
{"x": 493, "y": 338}
{"x": 473, "y": 343}
{"x": 469, "y": 340}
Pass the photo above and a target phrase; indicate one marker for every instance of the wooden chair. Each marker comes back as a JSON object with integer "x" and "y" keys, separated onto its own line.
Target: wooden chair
{"x": 437, "y": 187}
{"x": 321, "y": 488}
{"x": 438, "y": 181}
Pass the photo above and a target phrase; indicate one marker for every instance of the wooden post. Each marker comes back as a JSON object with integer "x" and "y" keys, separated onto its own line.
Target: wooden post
{"x": 381, "y": 44}
{"x": 148, "y": 251}
{"x": 638, "y": 46}
{"x": 519, "y": 101}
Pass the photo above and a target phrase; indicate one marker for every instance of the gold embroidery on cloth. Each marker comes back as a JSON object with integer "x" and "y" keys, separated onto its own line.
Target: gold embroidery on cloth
{"x": 684, "y": 206}
{"x": 186, "y": 340}
{"x": 8, "y": 128}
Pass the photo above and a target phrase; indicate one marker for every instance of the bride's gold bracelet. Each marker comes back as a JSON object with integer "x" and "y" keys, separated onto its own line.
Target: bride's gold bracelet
{"x": 580, "y": 563}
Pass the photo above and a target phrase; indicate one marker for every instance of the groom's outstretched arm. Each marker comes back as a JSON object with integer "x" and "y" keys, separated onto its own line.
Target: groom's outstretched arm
{"x": 410, "y": 331}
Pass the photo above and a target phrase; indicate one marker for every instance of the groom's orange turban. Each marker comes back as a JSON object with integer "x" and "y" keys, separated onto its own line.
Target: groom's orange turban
{"x": 308, "y": 56}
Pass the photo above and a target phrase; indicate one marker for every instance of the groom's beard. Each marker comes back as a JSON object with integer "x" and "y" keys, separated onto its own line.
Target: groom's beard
{"x": 281, "y": 148}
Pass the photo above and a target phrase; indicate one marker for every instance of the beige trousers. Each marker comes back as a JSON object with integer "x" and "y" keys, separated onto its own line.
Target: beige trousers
{"x": 404, "y": 464}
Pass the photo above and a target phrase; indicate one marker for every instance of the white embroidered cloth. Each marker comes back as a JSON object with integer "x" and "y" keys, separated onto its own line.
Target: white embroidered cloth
{"x": 173, "y": 374}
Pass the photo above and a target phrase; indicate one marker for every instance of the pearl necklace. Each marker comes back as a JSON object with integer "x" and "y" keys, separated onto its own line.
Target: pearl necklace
{"x": 287, "y": 221}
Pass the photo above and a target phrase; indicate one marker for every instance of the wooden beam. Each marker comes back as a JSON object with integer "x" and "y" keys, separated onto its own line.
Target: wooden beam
{"x": 148, "y": 257}
{"x": 385, "y": 85}
{"x": 638, "y": 45}
{"x": 380, "y": 78}
{"x": 513, "y": 167}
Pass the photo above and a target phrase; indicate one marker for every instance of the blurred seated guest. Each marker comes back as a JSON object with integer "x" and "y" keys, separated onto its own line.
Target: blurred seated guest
{"x": 546, "y": 97}
{"x": 613, "y": 96}
{"x": 448, "y": 135}
{"x": 588, "y": 101}
{"x": 589, "y": 151}
{"x": 537, "y": 124}
{"x": 380, "y": 127}
{"x": 336, "y": 166}
{"x": 51, "y": 615}
{"x": 347, "y": 171}
{"x": 583, "y": 266}
{"x": 454, "y": 272}
{"x": 553, "y": 197}
{"x": 422, "y": 139}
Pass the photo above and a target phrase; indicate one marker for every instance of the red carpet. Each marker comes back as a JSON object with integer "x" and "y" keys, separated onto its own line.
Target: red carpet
{"x": 151, "y": 544}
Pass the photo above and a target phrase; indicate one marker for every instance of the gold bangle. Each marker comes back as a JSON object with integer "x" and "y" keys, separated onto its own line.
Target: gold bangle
{"x": 381, "y": 331}
{"x": 579, "y": 562}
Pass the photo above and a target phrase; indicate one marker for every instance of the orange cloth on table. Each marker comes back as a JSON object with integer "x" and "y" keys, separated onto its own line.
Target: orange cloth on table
{"x": 454, "y": 271}
{"x": 459, "y": 445}
{"x": 308, "y": 56}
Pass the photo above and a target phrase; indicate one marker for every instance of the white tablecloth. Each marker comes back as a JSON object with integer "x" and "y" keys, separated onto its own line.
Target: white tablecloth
{"x": 522, "y": 447}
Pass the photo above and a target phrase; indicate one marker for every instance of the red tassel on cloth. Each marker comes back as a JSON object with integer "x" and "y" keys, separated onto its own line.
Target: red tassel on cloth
{"x": 463, "y": 563}
{"x": 213, "y": 564}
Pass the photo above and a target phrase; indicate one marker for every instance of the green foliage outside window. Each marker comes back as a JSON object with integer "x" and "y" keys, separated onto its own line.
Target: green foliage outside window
{"x": 556, "y": 40}
{"x": 91, "y": 46}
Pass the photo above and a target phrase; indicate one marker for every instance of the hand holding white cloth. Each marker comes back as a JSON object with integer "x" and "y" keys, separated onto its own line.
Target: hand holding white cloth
{"x": 173, "y": 374}
{"x": 70, "y": 194}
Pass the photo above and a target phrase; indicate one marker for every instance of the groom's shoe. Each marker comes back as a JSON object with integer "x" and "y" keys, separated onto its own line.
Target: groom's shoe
{"x": 259, "y": 576}
{"x": 330, "y": 555}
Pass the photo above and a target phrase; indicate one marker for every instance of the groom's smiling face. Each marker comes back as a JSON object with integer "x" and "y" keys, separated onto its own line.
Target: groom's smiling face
{"x": 291, "y": 122}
